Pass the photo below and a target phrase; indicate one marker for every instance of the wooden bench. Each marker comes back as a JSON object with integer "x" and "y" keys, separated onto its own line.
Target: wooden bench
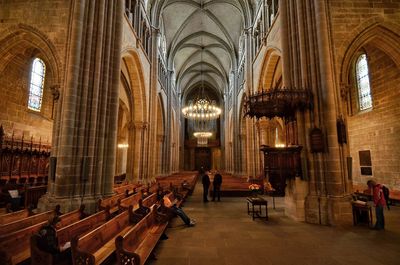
{"x": 110, "y": 203}
{"x": 150, "y": 200}
{"x": 131, "y": 200}
{"x": 33, "y": 194}
{"x": 135, "y": 246}
{"x": 97, "y": 245}
{"x": 131, "y": 188}
{"x": 15, "y": 216}
{"x": 257, "y": 201}
{"x": 66, "y": 234}
{"x": 25, "y": 222}
{"x": 172, "y": 198}
{"x": 15, "y": 246}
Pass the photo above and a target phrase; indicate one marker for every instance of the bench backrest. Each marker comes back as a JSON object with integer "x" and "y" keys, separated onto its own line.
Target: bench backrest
{"x": 111, "y": 201}
{"x": 150, "y": 201}
{"x": 95, "y": 239}
{"x": 25, "y": 222}
{"x": 14, "y": 243}
{"x": 136, "y": 235}
{"x": 17, "y": 242}
{"x": 69, "y": 218}
{"x": 66, "y": 233}
{"x": 15, "y": 216}
{"x": 123, "y": 188}
{"x": 131, "y": 200}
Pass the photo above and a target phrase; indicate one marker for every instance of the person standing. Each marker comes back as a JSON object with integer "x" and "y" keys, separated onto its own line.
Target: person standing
{"x": 217, "y": 182}
{"x": 379, "y": 202}
{"x": 206, "y": 185}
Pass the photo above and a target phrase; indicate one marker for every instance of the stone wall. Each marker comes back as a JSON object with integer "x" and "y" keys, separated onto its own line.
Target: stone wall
{"x": 30, "y": 29}
{"x": 378, "y": 129}
{"x": 15, "y": 116}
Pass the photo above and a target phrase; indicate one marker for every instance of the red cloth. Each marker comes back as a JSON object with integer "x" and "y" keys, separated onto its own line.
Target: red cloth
{"x": 379, "y": 198}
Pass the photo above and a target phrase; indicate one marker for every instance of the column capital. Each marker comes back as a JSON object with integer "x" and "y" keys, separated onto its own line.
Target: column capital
{"x": 138, "y": 125}
{"x": 344, "y": 90}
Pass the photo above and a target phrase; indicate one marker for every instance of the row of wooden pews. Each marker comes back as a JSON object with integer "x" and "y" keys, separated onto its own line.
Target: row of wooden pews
{"x": 15, "y": 236}
{"x": 97, "y": 245}
{"x": 95, "y": 235}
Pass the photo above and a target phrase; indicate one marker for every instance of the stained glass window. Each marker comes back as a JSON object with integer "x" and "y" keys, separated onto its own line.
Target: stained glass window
{"x": 38, "y": 73}
{"x": 363, "y": 83}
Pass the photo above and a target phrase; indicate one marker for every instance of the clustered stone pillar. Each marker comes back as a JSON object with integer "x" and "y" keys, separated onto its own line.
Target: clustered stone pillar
{"x": 151, "y": 148}
{"x": 307, "y": 63}
{"x": 85, "y": 132}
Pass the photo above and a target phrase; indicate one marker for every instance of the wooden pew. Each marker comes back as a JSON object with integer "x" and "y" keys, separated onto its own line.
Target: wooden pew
{"x": 110, "y": 202}
{"x": 33, "y": 194}
{"x": 15, "y": 246}
{"x": 66, "y": 234}
{"x": 97, "y": 245}
{"x": 150, "y": 200}
{"x": 15, "y": 216}
{"x": 123, "y": 188}
{"x": 131, "y": 200}
{"x": 25, "y": 222}
{"x": 172, "y": 198}
{"x": 135, "y": 246}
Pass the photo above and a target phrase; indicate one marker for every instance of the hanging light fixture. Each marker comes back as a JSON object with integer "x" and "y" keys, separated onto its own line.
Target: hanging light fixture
{"x": 202, "y": 112}
{"x": 201, "y": 108}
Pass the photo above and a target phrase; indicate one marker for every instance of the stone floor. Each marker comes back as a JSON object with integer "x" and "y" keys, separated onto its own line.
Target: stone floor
{"x": 225, "y": 234}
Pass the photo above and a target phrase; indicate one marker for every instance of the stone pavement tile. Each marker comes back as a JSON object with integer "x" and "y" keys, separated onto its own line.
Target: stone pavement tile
{"x": 206, "y": 261}
{"x": 225, "y": 234}
{"x": 169, "y": 261}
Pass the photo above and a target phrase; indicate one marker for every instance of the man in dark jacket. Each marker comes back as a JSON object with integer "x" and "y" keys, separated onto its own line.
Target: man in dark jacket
{"x": 217, "y": 186}
{"x": 206, "y": 184}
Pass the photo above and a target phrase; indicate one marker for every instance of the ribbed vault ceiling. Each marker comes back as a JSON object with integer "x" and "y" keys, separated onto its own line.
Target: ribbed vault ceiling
{"x": 203, "y": 36}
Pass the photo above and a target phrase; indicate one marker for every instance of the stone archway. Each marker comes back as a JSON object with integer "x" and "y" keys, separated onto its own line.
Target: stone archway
{"x": 376, "y": 139}
{"x": 132, "y": 82}
{"x": 19, "y": 47}
{"x": 160, "y": 137}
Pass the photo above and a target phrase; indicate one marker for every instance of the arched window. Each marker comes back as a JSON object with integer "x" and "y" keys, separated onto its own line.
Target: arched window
{"x": 363, "y": 83}
{"x": 38, "y": 73}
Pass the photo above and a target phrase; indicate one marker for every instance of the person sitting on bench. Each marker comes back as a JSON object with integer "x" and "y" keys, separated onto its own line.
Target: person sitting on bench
{"x": 48, "y": 241}
{"x": 141, "y": 212}
{"x": 169, "y": 208}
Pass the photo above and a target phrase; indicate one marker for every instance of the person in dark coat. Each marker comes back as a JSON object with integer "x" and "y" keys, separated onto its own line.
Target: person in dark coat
{"x": 206, "y": 185}
{"x": 217, "y": 182}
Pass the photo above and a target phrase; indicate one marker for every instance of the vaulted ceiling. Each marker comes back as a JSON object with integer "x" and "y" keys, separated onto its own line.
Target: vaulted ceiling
{"x": 202, "y": 38}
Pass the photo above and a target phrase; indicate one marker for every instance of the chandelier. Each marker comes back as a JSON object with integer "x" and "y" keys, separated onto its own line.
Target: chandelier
{"x": 202, "y": 138}
{"x": 202, "y": 134}
{"x": 201, "y": 109}
{"x": 202, "y": 112}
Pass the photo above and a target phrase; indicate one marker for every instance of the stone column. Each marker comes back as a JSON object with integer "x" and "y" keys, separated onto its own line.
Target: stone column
{"x": 339, "y": 207}
{"x": 86, "y": 128}
{"x": 151, "y": 148}
{"x": 160, "y": 161}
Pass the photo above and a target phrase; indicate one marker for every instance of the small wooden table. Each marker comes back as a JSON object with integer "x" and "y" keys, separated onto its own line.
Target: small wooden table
{"x": 359, "y": 210}
{"x": 254, "y": 201}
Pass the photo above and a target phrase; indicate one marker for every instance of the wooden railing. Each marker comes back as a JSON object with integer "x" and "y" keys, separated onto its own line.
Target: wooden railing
{"x": 21, "y": 157}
